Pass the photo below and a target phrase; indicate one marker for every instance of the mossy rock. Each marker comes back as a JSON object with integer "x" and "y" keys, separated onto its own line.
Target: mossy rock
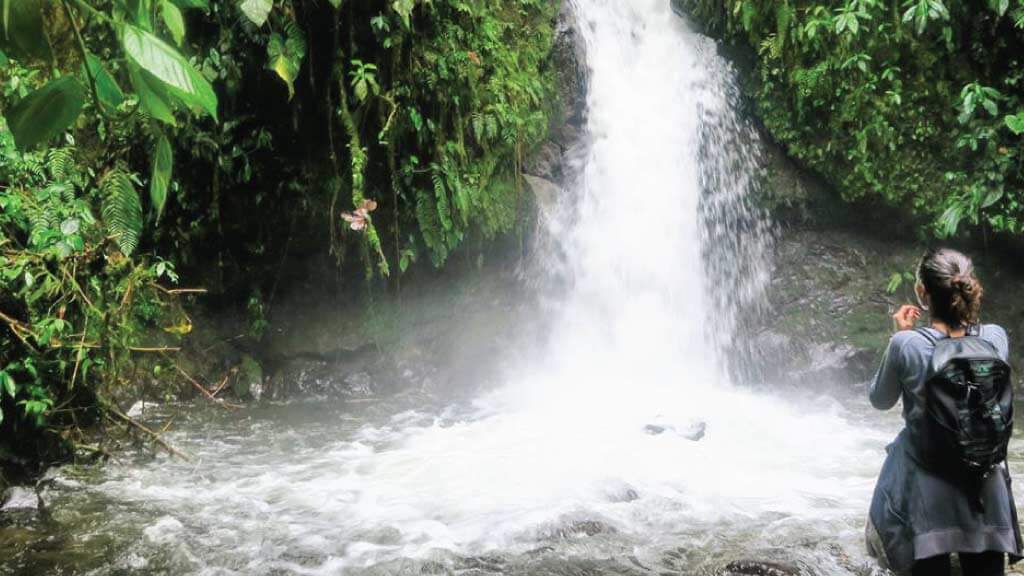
{"x": 249, "y": 381}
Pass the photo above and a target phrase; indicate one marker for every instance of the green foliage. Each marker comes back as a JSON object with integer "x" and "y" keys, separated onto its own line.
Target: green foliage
{"x": 70, "y": 309}
{"x": 75, "y": 296}
{"x": 163, "y": 162}
{"x": 474, "y": 100}
{"x": 250, "y": 122}
{"x": 46, "y": 112}
{"x": 166, "y": 64}
{"x": 911, "y": 102}
{"x": 256, "y": 11}
{"x": 122, "y": 211}
{"x": 285, "y": 53}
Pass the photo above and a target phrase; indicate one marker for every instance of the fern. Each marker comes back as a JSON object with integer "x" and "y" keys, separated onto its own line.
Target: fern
{"x": 41, "y": 218}
{"x": 30, "y": 165}
{"x": 430, "y": 227}
{"x": 122, "y": 210}
{"x": 444, "y": 211}
{"x": 61, "y": 163}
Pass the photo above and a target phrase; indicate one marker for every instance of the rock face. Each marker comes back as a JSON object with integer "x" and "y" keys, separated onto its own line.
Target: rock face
{"x": 829, "y": 305}
{"x": 546, "y": 167}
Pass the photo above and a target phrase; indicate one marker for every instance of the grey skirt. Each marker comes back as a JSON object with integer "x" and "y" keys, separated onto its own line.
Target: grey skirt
{"x": 915, "y": 514}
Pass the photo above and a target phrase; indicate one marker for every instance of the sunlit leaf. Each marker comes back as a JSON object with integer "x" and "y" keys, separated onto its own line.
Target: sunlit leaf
{"x": 46, "y": 112}
{"x": 152, "y": 96}
{"x": 285, "y": 54}
{"x": 69, "y": 226}
{"x": 7, "y": 384}
{"x": 173, "y": 20}
{"x": 179, "y": 329}
{"x": 1016, "y": 123}
{"x": 170, "y": 67}
{"x": 256, "y": 10}
{"x": 163, "y": 161}
{"x": 201, "y": 4}
{"x": 993, "y": 196}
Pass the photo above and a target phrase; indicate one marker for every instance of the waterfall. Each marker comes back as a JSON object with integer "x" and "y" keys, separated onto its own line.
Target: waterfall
{"x": 662, "y": 247}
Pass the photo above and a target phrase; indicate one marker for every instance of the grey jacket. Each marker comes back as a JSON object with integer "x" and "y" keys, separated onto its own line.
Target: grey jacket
{"x": 915, "y": 514}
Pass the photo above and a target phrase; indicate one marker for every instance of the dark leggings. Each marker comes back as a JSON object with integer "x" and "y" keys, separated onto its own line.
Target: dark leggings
{"x": 983, "y": 564}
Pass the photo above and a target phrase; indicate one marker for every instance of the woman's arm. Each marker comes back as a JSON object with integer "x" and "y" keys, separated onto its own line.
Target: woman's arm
{"x": 887, "y": 385}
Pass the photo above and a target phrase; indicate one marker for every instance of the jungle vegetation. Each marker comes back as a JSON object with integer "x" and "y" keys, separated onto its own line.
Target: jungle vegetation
{"x": 918, "y": 103}
{"x": 146, "y": 139}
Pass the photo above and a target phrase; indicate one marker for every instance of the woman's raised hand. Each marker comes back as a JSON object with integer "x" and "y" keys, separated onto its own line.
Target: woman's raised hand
{"x": 906, "y": 317}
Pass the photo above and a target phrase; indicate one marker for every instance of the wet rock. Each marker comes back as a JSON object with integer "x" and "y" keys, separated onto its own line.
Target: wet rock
{"x": 621, "y": 492}
{"x": 19, "y": 498}
{"x": 694, "y": 432}
{"x": 654, "y": 429}
{"x": 580, "y": 528}
{"x": 545, "y": 193}
{"x": 545, "y": 162}
{"x": 359, "y": 384}
{"x": 757, "y": 568}
{"x": 249, "y": 379}
{"x": 307, "y": 377}
{"x": 20, "y": 506}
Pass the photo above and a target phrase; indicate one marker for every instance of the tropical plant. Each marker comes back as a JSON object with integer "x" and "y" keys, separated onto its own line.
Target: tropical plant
{"x": 915, "y": 102}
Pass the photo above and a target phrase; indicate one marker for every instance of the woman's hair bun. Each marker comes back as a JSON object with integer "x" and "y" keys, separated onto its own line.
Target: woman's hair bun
{"x": 955, "y": 292}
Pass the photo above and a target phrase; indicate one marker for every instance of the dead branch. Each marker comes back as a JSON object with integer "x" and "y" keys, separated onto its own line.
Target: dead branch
{"x": 143, "y": 428}
{"x": 174, "y": 291}
{"x": 17, "y": 327}
{"x": 154, "y": 350}
{"x": 202, "y": 389}
{"x": 224, "y": 380}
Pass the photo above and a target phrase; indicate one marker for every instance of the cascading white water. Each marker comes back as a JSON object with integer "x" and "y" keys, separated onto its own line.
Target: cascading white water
{"x": 661, "y": 251}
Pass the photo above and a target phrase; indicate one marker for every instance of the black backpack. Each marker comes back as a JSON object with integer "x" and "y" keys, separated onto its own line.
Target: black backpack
{"x": 968, "y": 412}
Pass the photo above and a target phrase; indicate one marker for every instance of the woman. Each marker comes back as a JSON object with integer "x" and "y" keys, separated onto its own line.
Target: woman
{"x": 917, "y": 518}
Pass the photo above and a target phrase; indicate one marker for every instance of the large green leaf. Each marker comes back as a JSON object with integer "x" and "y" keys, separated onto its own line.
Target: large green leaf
{"x": 163, "y": 161}
{"x": 168, "y": 65}
{"x": 22, "y": 29}
{"x": 173, "y": 20}
{"x": 152, "y": 95}
{"x": 1016, "y": 123}
{"x": 201, "y": 4}
{"x": 256, "y": 10}
{"x": 109, "y": 92}
{"x": 7, "y": 384}
{"x": 285, "y": 54}
{"x": 46, "y": 112}
{"x": 141, "y": 10}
